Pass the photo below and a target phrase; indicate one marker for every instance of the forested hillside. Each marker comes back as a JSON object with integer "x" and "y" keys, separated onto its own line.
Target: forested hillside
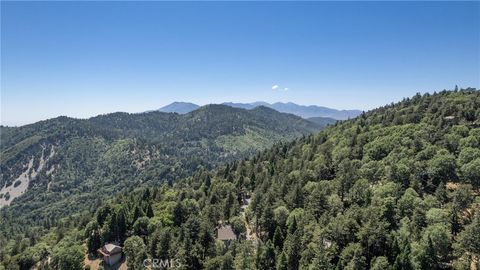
{"x": 322, "y": 121}
{"x": 395, "y": 188}
{"x": 59, "y": 167}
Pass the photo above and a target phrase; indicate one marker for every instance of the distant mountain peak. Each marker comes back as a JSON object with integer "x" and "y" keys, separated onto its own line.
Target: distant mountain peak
{"x": 179, "y": 107}
{"x": 304, "y": 111}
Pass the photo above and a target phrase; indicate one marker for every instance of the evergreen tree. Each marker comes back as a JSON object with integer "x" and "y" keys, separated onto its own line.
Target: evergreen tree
{"x": 135, "y": 252}
{"x": 292, "y": 250}
{"x": 430, "y": 259}
{"x": 266, "y": 258}
{"x": 292, "y": 228}
{"x": 278, "y": 238}
{"x": 282, "y": 263}
{"x": 150, "y": 211}
{"x": 402, "y": 262}
{"x": 68, "y": 256}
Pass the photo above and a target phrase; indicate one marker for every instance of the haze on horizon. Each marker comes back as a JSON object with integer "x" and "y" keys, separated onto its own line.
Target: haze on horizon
{"x": 82, "y": 59}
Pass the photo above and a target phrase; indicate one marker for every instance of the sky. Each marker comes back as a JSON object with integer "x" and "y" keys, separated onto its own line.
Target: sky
{"x": 82, "y": 59}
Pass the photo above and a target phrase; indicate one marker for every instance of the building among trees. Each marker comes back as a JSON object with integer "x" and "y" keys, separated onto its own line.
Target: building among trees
{"x": 225, "y": 233}
{"x": 111, "y": 253}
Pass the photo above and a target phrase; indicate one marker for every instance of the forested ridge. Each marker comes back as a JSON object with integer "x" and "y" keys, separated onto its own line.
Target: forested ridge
{"x": 75, "y": 164}
{"x": 395, "y": 188}
{"x": 322, "y": 121}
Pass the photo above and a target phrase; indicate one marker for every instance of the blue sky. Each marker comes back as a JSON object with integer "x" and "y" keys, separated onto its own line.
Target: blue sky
{"x": 85, "y": 58}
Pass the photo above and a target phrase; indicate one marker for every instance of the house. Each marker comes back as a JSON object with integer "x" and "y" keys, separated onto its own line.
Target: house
{"x": 245, "y": 203}
{"x": 225, "y": 233}
{"x": 111, "y": 253}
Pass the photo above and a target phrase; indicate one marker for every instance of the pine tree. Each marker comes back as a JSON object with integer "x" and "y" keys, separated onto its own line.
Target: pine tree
{"x": 150, "y": 213}
{"x": 94, "y": 242}
{"x": 278, "y": 238}
{"x": 122, "y": 224}
{"x": 138, "y": 212}
{"x": 266, "y": 258}
{"x": 282, "y": 262}
{"x": 292, "y": 250}
{"x": 267, "y": 221}
{"x": 293, "y": 226}
{"x": 441, "y": 193}
{"x": 178, "y": 214}
{"x": 430, "y": 259}
{"x": 402, "y": 262}
{"x": 146, "y": 194}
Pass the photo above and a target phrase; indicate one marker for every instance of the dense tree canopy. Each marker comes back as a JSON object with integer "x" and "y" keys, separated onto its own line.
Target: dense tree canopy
{"x": 78, "y": 164}
{"x": 395, "y": 188}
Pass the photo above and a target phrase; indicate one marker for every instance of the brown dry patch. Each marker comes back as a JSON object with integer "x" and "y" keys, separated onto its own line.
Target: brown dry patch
{"x": 474, "y": 263}
{"x": 95, "y": 264}
{"x": 452, "y": 186}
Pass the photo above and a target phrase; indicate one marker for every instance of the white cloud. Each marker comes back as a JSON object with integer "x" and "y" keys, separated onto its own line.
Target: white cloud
{"x": 277, "y": 87}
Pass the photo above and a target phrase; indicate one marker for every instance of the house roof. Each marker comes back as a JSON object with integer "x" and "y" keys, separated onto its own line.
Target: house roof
{"x": 226, "y": 233}
{"x": 110, "y": 249}
{"x": 245, "y": 204}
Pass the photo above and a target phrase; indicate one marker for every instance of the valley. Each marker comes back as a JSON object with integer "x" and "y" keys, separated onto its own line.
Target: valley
{"x": 390, "y": 187}
{"x": 65, "y": 167}
{"x": 239, "y": 135}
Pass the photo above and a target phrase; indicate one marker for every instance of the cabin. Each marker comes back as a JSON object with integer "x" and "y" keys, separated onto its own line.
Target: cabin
{"x": 245, "y": 203}
{"x": 225, "y": 233}
{"x": 111, "y": 254}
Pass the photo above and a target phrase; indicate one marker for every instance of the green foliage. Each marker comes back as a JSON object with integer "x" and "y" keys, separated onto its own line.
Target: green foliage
{"x": 266, "y": 259}
{"x": 380, "y": 263}
{"x": 238, "y": 226}
{"x": 68, "y": 256}
{"x": 322, "y": 121}
{"x": 83, "y": 163}
{"x": 469, "y": 241}
{"x": 393, "y": 188}
{"x": 135, "y": 252}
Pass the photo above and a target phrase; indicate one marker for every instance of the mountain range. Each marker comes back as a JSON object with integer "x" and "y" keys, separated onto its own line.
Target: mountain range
{"x": 53, "y": 168}
{"x": 299, "y": 110}
{"x": 395, "y": 188}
